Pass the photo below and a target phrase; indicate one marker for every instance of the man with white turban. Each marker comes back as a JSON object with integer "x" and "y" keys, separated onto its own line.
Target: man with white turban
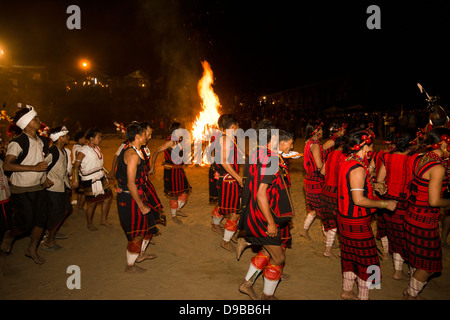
{"x": 25, "y": 159}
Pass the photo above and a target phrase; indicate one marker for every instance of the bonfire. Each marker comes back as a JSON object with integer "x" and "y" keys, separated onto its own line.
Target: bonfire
{"x": 207, "y": 119}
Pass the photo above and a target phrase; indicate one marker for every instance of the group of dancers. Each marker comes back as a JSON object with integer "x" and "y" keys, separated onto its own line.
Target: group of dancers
{"x": 38, "y": 175}
{"x": 347, "y": 185}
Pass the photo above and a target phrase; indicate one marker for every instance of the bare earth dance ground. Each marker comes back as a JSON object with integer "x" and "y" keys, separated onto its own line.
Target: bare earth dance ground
{"x": 190, "y": 264}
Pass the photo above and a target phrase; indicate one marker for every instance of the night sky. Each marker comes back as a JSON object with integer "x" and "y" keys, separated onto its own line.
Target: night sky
{"x": 252, "y": 46}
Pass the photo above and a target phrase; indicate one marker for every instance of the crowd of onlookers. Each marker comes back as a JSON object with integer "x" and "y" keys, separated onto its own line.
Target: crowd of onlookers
{"x": 295, "y": 119}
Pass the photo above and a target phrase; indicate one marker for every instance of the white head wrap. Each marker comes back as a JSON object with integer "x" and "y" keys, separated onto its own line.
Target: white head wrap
{"x": 26, "y": 118}
{"x": 55, "y": 136}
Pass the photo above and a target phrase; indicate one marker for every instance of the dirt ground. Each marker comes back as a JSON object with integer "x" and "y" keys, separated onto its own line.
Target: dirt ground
{"x": 190, "y": 264}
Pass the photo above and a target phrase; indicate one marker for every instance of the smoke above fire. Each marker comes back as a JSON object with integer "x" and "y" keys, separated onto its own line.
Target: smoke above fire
{"x": 178, "y": 57}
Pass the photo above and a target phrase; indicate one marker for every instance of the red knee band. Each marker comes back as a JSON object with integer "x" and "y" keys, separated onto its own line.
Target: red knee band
{"x": 173, "y": 204}
{"x": 215, "y": 212}
{"x": 148, "y": 236}
{"x": 260, "y": 261}
{"x": 273, "y": 272}
{"x": 134, "y": 246}
{"x": 183, "y": 197}
{"x": 231, "y": 225}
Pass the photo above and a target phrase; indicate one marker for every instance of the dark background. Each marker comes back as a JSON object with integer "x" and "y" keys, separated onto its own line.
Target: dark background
{"x": 254, "y": 47}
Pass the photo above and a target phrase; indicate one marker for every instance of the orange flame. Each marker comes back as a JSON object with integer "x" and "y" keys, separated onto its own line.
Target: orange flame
{"x": 210, "y": 103}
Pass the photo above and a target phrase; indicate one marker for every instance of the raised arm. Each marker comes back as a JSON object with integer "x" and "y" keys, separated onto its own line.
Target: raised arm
{"x": 162, "y": 148}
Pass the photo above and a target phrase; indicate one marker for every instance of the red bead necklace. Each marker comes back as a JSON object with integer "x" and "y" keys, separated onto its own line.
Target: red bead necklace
{"x": 440, "y": 160}
{"x": 99, "y": 153}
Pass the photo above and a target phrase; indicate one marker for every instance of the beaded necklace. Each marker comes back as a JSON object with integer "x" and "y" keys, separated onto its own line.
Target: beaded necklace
{"x": 441, "y": 161}
{"x": 99, "y": 153}
{"x": 358, "y": 159}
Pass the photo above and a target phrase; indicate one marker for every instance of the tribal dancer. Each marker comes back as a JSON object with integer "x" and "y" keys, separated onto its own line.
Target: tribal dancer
{"x": 396, "y": 173}
{"x": 89, "y": 162}
{"x": 313, "y": 163}
{"x": 212, "y": 172}
{"x": 176, "y": 185}
{"x": 328, "y": 197}
{"x": 229, "y": 182}
{"x": 438, "y": 117}
{"x": 374, "y": 167}
{"x": 57, "y": 173}
{"x": 337, "y": 130}
{"x": 135, "y": 211}
{"x": 152, "y": 195}
{"x": 25, "y": 159}
{"x": 356, "y": 206}
{"x": 80, "y": 141}
{"x": 269, "y": 215}
{"x": 423, "y": 243}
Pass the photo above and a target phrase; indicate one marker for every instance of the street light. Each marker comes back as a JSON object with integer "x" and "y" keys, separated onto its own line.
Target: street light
{"x": 84, "y": 64}
{"x": 3, "y": 57}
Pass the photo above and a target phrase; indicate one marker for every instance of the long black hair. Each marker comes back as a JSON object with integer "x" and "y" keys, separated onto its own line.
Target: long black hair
{"x": 404, "y": 138}
{"x": 92, "y": 132}
{"x": 435, "y": 136}
{"x": 355, "y": 138}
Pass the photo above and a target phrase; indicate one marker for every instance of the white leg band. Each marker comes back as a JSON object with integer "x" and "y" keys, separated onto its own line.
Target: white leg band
{"x": 227, "y": 235}
{"x": 252, "y": 273}
{"x": 363, "y": 289}
{"x": 270, "y": 286}
{"x": 385, "y": 244}
{"x": 309, "y": 220}
{"x": 331, "y": 235}
{"x": 131, "y": 258}
{"x": 216, "y": 220}
{"x": 415, "y": 286}
{"x": 348, "y": 280}
{"x": 398, "y": 261}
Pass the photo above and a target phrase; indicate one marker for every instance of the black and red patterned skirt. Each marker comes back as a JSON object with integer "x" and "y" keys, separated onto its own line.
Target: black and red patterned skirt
{"x": 312, "y": 195}
{"x": 228, "y": 196}
{"x": 134, "y": 223}
{"x": 329, "y": 207}
{"x": 153, "y": 201}
{"x": 423, "y": 242}
{"x": 358, "y": 247}
{"x": 175, "y": 182}
{"x": 381, "y": 223}
{"x": 395, "y": 228}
